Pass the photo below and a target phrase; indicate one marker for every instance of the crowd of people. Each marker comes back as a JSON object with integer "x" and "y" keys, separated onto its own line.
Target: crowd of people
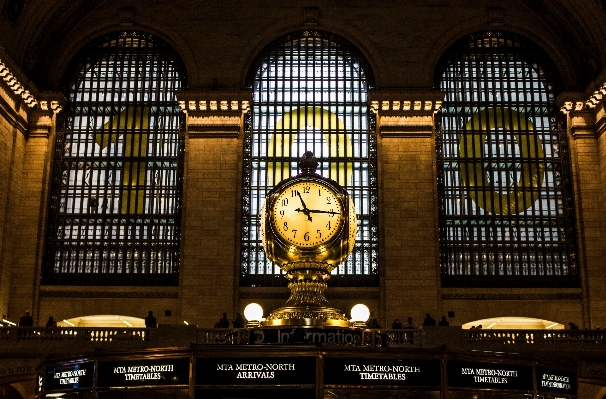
{"x": 237, "y": 322}
{"x": 411, "y": 325}
{"x": 26, "y": 320}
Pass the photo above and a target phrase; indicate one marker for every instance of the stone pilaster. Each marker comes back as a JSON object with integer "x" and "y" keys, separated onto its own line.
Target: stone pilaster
{"x": 33, "y": 155}
{"x": 210, "y": 247}
{"x": 585, "y": 123}
{"x": 407, "y": 200}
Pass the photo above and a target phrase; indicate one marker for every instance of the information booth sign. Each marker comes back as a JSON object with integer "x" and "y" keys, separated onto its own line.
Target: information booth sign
{"x": 344, "y": 371}
{"x": 556, "y": 381}
{"x": 489, "y": 375}
{"x": 72, "y": 376}
{"x": 256, "y": 371}
{"x": 157, "y": 372}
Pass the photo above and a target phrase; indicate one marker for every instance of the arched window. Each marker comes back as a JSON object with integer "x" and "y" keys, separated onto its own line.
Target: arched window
{"x": 506, "y": 216}
{"x": 310, "y": 93}
{"x": 115, "y": 208}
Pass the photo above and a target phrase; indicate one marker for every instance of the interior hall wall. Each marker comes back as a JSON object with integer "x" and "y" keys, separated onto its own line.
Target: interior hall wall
{"x": 12, "y": 125}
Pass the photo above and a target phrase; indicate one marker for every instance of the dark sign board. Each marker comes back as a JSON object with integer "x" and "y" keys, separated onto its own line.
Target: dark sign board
{"x": 549, "y": 380}
{"x": 489, "y": 375}
{"x": 382, "y": 372}
{"x": 256, "y": 371}
{"x": 315, "y": 336}
{"x": 128, "y": 373}
{"x": 72, "y": 376}
{"x": 257, "y": 393}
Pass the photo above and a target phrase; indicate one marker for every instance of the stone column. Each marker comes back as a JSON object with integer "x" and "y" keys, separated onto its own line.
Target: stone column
{"x": 33, "y": 157}
{"x": 407, "y": 203}
{"x": 211, "y": 203}
{"x": 586, "y": 122}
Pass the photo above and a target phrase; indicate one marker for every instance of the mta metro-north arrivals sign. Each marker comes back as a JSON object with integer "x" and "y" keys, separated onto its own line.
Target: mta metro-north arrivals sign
{"x": 345, "y": 371}
{"x": 256, "y": 371}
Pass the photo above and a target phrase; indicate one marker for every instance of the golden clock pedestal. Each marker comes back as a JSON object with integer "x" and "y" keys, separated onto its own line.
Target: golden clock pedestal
{"x": 307, "y": 305}
{"x": 308, "y": 224}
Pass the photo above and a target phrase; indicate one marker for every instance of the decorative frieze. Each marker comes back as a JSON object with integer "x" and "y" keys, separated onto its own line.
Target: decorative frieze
{"x": 405, "y": 114}
{"x": 586, "y": 113}
{"x": 13, "y": 83}
{"x": 214, "y": 113}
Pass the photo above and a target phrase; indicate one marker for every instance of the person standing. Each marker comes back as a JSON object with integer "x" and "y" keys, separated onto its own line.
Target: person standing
{"x": 429, "y": 321}
{"x": 443, "y": 322}
{"x": 26, "y": 320}
{"x": 223, "y": 322}
{"x": 150, "y": 320}
{"x": 410, "y": 324}
{"x": 396, "y": 325}
{"x": 238, "y": 321}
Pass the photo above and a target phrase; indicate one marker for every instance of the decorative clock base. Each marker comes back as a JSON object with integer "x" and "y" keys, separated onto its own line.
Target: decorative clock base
{"x": 307, "y": 305}
{"x": 307, "y": 316}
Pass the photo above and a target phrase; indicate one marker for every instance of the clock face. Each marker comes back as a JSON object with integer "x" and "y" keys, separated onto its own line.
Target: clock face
{"x": 306, "y": 214}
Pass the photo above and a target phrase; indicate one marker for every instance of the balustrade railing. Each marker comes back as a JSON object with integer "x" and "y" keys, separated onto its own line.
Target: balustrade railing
{"x": 94, "y": 334}
{"x": 453, "y": 337}
{"x": 542, "y": 337}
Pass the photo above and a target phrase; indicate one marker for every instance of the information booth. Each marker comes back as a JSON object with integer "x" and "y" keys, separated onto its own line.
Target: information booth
{"x": 304, "y": 371}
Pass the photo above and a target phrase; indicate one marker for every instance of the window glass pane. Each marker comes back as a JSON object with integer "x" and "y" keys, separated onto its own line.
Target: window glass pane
{"x": 310, "y": 93}
{"x": 116, "y": 187}
{"x": 506, "y": 214}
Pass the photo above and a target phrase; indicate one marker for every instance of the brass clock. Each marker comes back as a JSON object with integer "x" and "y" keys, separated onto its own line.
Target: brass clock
{"x": 308, "y": 223}
{"x": 307, "y": 214}
{"x": 308, "y": 218}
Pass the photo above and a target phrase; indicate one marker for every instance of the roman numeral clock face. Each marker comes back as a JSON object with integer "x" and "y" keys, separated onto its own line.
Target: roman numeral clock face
{"x": 306, "y": 214}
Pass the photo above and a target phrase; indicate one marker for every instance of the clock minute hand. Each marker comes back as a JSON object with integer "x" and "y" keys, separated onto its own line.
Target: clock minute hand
{"x": 319, "y": 211}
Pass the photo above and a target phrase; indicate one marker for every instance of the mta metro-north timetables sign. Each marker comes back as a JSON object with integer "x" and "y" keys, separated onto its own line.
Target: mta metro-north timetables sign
{"x": 343, "y": 371}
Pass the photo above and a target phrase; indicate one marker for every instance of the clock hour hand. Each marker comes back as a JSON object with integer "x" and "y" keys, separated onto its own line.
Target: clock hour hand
{"x": 305, "y": 211}
{"x": 302, "y": 202}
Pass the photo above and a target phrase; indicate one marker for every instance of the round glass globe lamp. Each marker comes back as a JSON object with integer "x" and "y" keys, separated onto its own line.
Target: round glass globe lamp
{"x": 253, "y": 312}
{"x": 360, "y": 313}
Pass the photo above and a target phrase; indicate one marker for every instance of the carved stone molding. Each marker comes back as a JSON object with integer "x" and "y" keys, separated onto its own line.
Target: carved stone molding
{"x": 42, "y": 118}
{"x": 104, "y": 292}
{"x": 214, "y": 113}
{"x": 495, "y": 14}
{"x": 16, "y": 87}
{"x": 310, "y": 15}
{"x": 127, "y": 16}
{"x": 586, "y": 112}
{"x": 511, "y": 297}
{"x": 405, "y": 114}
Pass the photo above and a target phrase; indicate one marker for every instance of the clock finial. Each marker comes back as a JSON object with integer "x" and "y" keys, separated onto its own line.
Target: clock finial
{"x": 308, "y": 163}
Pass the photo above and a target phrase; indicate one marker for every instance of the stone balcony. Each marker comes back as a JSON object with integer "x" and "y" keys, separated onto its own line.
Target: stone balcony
{"x": 40, "y": 341}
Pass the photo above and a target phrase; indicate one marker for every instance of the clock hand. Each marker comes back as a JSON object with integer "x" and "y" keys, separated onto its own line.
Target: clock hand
{"x": 319, "y": 211}
{"x": 302, "y": 202}
{"x": 305, "y": 211}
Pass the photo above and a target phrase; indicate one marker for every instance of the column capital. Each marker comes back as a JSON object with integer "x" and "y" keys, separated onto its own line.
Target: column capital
{"x": 405, "y": 113}
{"x": 586, "y": 112}
{"x": 214, "y": 113}
{"x": 42, "y": 117}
